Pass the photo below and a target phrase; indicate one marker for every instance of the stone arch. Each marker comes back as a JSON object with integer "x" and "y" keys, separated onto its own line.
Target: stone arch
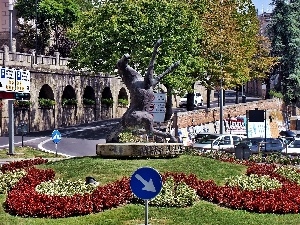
{"x": 89, "y": 104}
{"x": 89, "y": 94}
{"x": 122, "y": 96}
{"x": 106, "y": 103}
{"x": 69, "y": 106}
{"x": 69, "y": 93}
{"x": 122, "y": 102}
{"x": 106, "y": 93}
{"x": 46, "y": 92}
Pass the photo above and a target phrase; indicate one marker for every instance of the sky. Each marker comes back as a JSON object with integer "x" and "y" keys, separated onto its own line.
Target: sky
{"x": 262, "y": 5}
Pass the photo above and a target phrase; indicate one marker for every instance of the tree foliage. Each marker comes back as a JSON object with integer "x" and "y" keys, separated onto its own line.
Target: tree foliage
{"x": 114, "y": 28}
{"x": 49, "y": 16}
{"x": 285, "y": 35}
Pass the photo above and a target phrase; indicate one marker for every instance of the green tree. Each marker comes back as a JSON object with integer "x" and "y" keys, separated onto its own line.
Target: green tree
{"x": 49, "y": 15}
{"x": 230, "y": 30}
{"x": 284, "y": 33}
{"x": 114, "y": 28}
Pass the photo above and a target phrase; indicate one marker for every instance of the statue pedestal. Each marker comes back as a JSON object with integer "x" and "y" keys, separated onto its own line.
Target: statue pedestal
{"x": 148, "y": 150}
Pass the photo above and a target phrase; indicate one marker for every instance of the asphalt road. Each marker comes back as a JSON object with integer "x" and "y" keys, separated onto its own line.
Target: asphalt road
{"x": 76, "y": 140}
{"x": 81, "y": 140}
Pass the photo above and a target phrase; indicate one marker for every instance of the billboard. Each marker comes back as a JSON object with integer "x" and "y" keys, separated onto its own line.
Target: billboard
{"x": 14, "y": 80}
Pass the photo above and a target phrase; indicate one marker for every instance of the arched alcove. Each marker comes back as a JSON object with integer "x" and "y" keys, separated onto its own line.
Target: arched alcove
{"x": 46, "y": 97}
{"x": 69, "y": 96}
{"x": 106, "y": 93}
{"x": 46, "y": 92}
{"x": 107, "y": 98}
{"x": 123, "y": 97}
{"x": 89, "y": 96}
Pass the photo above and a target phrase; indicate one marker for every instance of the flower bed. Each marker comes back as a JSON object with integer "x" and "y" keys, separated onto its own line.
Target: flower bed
{"x": 24, "y": 200}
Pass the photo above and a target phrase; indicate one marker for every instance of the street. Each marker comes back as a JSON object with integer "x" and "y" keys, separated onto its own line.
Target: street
{"x": 81, "y": 140}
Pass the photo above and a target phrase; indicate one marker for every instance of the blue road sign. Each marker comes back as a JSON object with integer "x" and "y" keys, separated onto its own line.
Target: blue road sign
{"x": 56, "y": 136}
{"x": 146, "y": 183}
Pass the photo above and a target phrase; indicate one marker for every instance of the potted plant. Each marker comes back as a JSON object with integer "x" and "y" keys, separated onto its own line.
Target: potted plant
{"x": 89, "y": 102}
{"x": 107, "y": 101}
{"x": 122, "y": 102}
{"x": 69, "y": 102}
{"x": 46, "y": 103}
{"x": 22, "y": 104}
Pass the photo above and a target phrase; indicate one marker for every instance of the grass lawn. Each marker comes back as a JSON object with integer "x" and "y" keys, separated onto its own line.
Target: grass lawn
{"x": 108, "y": 170}
{"x": 26, "y": 152}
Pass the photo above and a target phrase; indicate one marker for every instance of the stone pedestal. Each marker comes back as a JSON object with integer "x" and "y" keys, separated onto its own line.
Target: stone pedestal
{"x": 148, "y": 150}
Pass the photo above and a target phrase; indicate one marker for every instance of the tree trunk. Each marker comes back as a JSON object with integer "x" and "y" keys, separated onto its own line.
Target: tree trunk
{"x": 169, "y": 103}
{"x": 190, "y": 100}
{"x": 208, "y": 97}
{"x": 224, "y": 97}
{"x": 237, "y": 95}
{"x": 268, "y": 87}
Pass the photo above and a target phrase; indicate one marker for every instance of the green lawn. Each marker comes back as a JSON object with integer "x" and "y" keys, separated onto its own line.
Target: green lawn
{"x": 26, "y": 152}
{"x": 107, "y": 170}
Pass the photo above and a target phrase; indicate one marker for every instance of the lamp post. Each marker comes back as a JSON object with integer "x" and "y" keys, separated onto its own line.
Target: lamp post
{"x": 221, "y": 100}
{"x": 10, "y": 9}
{"x": 36, "y": 31}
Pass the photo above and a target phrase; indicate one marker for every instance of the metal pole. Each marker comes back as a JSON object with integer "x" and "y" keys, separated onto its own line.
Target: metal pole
{"x": 36, "y": 34}
{"x": 11, "y": 126}
{"x": 247, "y": 125}
{"x": 221, "y": 108}
{"x": 10, "y": 9}
{"x": 56, "y": 149}
{"x": 146, "y": 212}
{"x": 265, "y": 130}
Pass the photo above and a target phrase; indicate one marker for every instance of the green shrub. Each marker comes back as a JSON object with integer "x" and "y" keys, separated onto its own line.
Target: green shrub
{"x": 275, "y": 94}
{"x": 127, "y": 136}
{"x": 87, "y": 101}
{"x": 19, "y": 103}
{"x": 174, "y": 195}
{"x": 46, "y": 102}
{"x": 71, "y": 101}
{"x": 60, "y": 187}
{"x": 9, "y": 179}
{"x": 107, "y": 101}
{"x": 290, "y": 173}
{"x": 123, "y": 102}
{"x": 253, "y": 182}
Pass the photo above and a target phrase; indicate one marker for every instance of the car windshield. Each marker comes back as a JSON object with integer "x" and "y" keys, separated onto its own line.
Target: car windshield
{"x": 207, "y": 139}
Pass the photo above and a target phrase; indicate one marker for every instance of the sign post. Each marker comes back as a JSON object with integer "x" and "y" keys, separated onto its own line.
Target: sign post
{"x": 13, "y": 82}
{"x": 146, "y": 183}
{"x": 56, "y": 137}
{"x": 11, "y": 124}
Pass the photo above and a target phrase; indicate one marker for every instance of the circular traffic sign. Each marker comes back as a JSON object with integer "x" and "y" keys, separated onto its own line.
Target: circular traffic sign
{"x": 146, "y": 183}
{"x": 56, "y": 136}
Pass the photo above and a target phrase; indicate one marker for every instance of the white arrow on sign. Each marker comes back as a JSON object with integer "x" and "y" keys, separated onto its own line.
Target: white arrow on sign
{"x": 149, "y": 186}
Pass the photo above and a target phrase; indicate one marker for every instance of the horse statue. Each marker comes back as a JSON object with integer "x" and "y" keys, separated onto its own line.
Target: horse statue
{"x": 141, "y": 97}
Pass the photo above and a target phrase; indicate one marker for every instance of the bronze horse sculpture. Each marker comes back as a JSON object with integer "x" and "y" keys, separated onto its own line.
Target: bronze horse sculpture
{"x": 141, "y": 97}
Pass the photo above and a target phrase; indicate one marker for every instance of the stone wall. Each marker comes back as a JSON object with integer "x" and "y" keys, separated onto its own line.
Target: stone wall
{"x": 203, "y": 116}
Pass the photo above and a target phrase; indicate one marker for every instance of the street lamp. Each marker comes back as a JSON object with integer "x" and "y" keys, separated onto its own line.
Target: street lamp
{"x": 10, "y": 9}
{"x": 36, "y": 31}
{"x": 221, "y": 100}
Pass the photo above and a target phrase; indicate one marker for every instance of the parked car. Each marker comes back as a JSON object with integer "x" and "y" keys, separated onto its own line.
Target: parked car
{"x": 218, "y": 141}
{"x": 293, "y": 147}
{"x": 198, "y": 100}
{"x": 257, "y": 144}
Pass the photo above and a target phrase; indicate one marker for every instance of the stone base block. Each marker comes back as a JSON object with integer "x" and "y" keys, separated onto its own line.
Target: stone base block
{"x": 148, "y": 150}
